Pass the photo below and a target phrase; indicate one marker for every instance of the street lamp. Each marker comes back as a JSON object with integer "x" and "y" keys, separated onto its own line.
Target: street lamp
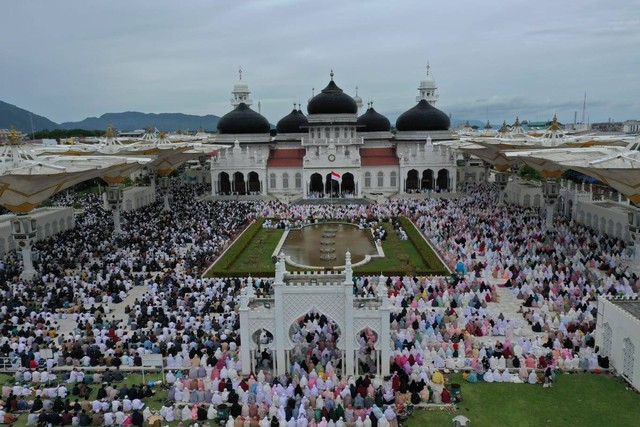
{"x": 550, "y": 192}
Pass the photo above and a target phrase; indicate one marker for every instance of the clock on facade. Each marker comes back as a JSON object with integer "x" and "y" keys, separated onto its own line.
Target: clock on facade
{"x": 332, "y": 157}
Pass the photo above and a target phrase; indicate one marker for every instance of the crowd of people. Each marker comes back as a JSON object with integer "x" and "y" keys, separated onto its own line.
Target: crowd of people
{"x": 437, "y": 323}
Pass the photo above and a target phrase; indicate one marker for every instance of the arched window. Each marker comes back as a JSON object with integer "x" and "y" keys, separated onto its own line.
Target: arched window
{"x": 392, "y": 179}
{"x": 298, "y": 180}
{"x": 272, "y": 180}
{"x": 380, "y": 179}
{"x": 367, "y": 179}
{"x": 327, "y": 133}
{"x": 285, "y": 180}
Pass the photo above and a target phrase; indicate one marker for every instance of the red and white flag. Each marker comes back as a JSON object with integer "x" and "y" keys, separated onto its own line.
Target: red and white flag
{"x": 336, "y": 176}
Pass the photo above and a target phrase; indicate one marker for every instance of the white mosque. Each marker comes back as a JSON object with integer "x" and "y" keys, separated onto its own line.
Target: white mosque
{"x": 365, "y": 155}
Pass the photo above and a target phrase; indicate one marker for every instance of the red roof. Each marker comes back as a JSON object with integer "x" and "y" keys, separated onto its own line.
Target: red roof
{"x": 282, "y": 158}
{"x": 378, "y": 157}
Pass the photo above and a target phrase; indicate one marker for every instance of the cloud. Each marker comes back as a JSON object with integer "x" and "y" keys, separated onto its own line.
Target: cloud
{"x": 160, "y": 55}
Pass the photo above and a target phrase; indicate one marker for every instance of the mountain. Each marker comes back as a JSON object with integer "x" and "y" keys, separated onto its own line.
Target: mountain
{"x": 20, "y": 119}
{"x": 132, "y": 120}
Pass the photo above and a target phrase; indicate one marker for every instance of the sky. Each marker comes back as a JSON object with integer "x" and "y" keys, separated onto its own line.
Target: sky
{"x": 492, "y": 59}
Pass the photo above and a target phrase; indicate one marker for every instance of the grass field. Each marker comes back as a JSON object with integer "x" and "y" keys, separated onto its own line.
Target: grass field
{"x": 251, "y": 254}
{"x": 582, "y": 400}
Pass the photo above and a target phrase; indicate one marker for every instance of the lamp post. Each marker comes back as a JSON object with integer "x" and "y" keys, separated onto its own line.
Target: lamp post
{"x": 114, "y": 201}
{"x": 550, "y": 192}
{"x": 487, "y": 167}
{"x": 634, "y": 230}
{"x": 165, "y": 188}
{"x": 23, "y": 230}
{"x": 502, "y": 179}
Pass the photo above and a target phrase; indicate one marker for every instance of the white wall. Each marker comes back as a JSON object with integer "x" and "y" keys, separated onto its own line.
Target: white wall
{"x": 618, "y": 324}
{"x": 49, "y": 221}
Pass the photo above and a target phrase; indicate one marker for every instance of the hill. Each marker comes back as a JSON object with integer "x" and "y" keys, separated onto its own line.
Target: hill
{"x": 20, "y": 119}
{"x": 132, "y": 120}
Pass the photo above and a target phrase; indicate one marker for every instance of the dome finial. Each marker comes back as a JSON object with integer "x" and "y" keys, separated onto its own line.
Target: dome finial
{"x": 428, "y": 68}
{"x": 240, "y": 72}
{"x": 331, "y": 74}
{"x": 356, "y": 90}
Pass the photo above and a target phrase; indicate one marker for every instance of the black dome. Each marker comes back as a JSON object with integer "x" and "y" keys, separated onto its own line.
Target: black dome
{"x": 291, "y": 122}
{"x": 243, "y": 119}
{"x": 372, "y": 121}
{"x": 332, "y": 100}
{"x": 423, "y": 116}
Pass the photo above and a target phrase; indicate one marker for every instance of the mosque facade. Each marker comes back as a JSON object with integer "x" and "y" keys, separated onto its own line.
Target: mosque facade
{"x": 333, "y": 150}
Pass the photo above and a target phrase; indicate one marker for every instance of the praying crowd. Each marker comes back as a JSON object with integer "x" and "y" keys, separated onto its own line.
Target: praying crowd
{"x": 437, "y": 323}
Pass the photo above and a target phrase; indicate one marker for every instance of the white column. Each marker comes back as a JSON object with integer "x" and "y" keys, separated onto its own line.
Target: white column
{"x": 350, "y": 365}
{"x": 28, "y": 271}
{"x": 549, "y": 207}
{"x": 245, "y": 338}
{"x": 117, "y": 228}
{"x": 279, "y": 336}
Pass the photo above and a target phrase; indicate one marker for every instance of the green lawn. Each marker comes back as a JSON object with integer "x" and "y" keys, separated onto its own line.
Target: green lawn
{"x": 575, "y": 400}
{"x": 251, "y": 254}
{"x": 582, "y": 400}
{"x": 403, "y": 256}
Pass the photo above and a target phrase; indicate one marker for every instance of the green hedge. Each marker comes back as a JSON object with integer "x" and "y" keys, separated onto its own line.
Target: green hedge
{"x": 422, "y": 247}
{"x": 237, "y": 247}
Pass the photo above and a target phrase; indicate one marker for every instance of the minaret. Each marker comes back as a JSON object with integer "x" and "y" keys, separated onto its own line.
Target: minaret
{"x": 358, "y": 99}
{"x": 241, "y": 92}
{"x": 428, "y": 89}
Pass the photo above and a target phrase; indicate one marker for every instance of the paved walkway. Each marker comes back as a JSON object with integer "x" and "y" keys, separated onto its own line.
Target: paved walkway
{"x": 509, "y": 305}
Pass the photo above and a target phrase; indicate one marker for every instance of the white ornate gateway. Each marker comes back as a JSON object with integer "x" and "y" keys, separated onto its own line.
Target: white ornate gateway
{"x": 328, "y": 293}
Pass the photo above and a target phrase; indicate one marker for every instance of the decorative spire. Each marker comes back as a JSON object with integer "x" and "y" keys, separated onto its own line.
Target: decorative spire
{"x": 504, "y": 128}
{"x": 428, "y": 68}
{"x": 356, "y": 90}
{"x": 331, "y": 74}
{"x": 110, "y": 131}
{"x": 14, "y": 137}
{"x": 240, "y": 72}
{"x": 517, "y": 123}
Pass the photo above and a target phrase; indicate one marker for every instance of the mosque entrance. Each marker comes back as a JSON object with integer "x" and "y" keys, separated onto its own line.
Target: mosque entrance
{"x": 368, "y": 356}
{"x": 263, "y": 353}
{"x": 238, "y": 183}
{"x": 254, "y": 183}
{"x": 315, "y": 339}
{"x": 427, "y": 180}
{"x": 348, "y": 186}
{"x": 443, "y": 180}
{"x": 316, "y": 187}
{"x": 412, "y": 181}
{"x": 224, "y": 184}
{"x": 332, "y": 186}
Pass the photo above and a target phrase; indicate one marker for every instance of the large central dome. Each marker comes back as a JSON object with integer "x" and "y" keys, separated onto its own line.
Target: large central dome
{"x": 423, "y": 117}
{"x": 332, "y": 100}
{"x": 243, "y": 119}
